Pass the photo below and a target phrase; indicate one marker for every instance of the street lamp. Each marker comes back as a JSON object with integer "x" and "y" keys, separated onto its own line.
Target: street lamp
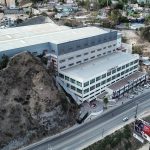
{"x": 136, "y": 111}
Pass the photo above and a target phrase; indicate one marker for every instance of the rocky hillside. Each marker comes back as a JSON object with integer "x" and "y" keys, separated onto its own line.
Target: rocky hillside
{"x": 30, "y": 101}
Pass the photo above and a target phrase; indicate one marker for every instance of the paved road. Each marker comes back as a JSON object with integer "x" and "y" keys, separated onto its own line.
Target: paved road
{"x": 86, "y": 133}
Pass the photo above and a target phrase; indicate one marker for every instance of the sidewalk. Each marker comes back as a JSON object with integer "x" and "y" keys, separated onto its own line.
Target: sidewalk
{"x": 119, "y": 102}
{"x": 145, "y": 147}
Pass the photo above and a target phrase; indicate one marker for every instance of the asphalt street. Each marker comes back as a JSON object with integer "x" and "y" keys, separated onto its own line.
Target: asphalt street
{"x": 94, "y": 130}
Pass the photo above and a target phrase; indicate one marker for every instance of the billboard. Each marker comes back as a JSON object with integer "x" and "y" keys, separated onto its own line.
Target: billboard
{"x": 142, "y": 130}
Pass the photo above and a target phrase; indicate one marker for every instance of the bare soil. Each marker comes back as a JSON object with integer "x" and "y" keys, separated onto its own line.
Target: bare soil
{"x": 29, "y": 101}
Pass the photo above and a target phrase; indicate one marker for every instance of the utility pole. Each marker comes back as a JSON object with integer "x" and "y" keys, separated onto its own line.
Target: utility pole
{"x": 136, "y": 111}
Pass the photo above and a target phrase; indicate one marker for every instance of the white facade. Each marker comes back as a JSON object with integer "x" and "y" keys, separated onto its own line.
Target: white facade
{"x": 87, "y": 81}
{"x": 85, "y": 55}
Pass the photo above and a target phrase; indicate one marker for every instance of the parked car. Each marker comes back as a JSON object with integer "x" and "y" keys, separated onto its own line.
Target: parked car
{"x": 146, "y": 86}
{"x": 132, "y": 96}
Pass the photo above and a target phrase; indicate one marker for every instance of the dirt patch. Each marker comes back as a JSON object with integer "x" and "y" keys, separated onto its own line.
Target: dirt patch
{"x": 134, "y": 39}
{"x": 27, "y": 93}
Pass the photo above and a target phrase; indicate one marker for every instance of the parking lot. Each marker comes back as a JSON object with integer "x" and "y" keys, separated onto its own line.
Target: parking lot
{"x": 132, "y": 93}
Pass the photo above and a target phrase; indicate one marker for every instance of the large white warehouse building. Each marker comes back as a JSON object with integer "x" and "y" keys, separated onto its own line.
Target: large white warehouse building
{"x": 87, "y": 60}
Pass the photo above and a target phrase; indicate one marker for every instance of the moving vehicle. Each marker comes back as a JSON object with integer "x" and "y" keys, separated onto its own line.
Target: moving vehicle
{"x": 125, "y": 119}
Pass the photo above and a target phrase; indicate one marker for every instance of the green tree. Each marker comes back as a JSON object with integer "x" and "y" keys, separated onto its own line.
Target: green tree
{"x": 145, "y": 33}
{"x": 119, "y": 5}
{"x": 127, "y": 132}
{"x": 105, "y": 100}
{"x": 147, "y": 20}
{"x": 125, "y": 1}
{"x": 115, "y": 16}
{"x": 137, "y": 50}
{"x": 104, "y": 3}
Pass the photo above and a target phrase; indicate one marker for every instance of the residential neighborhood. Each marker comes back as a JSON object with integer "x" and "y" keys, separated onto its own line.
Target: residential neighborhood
{"x": 74, "y": 74}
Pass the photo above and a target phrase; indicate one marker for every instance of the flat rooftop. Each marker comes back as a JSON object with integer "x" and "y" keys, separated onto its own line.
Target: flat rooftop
{"x": 123, "y": 82}
{"x": 17, "y": 37}
{"x": 92, "y": 69}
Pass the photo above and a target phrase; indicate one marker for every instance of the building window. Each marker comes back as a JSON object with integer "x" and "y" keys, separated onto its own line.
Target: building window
{"x": 70, "y": 48}
{"x": 70, "y": 58}
{"x": 109, "y": 73}
{"x": 86, "y": 91}
{"x": 78, "y": 62}
{"x": 92, "y": 81}
{"x": 92, "y": 87}
{"x": 71, "y": 64}
{"x": 97, "y": 90}
{"x": 73, "y": 88}
{"x": 79, "y": 83}
{"x": 92, "y": 57}
{"x": 109, "y": 46}
{"x": 123, "y": 67}
{"x": 131, "y": 63}
{"x": 136, "y": 66}
{"x": 98, "y": 85}
{"x": 99, "y": 49}
{"x": 61, "y": 75}
{"x": 63, "y": 67}
{"x": 61, "y": 61}
{"x": 127, "y": 65}
{"x": 92, "y": 51}
{"x": 66, "y": 78}
{"x": 118, "y": 69}
{"x": 78, "y": 46}
{"x": 118, "y": 75}
{"x": 98, "y": 78}
{"x": 85, "y": 53}
{"x": 109, "y": 52}
{"x": 99, "y": 40}
{"x": 113, "y": 77}
{"x": 135, "y": 61}
{"x": 79, "y": 91}
{"x": 86, "y": 59}
{"x": 86, "y": 44}
{"x": 103, "y": 82}
{"x": 109, "y": 79}
{"x": 98, "y": 55}
{"x": 103, "y": 76}
{"x": 122, "y": 73}
{"x": 72, "y": 80}
{"x": 78, "y": 56}
{"x": 86, "y": 96}
{"x": 104, "y": 53}
{"x": 104, "y": 48}
{"x": 93, "y": 43}
{"x": 114, "y": 45}
{"x": 68, "y": 85}
{"x": 113, "y": 71}
{"x": 86, "y": 83}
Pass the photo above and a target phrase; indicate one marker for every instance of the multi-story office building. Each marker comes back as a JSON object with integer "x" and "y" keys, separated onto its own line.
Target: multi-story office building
{"x": 88, "y": 80}
{"x": 87, "y": 60}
